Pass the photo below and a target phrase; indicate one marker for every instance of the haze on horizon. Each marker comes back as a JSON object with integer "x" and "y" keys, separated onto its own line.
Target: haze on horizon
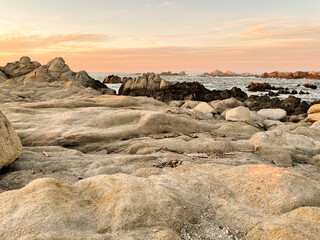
{"x": 162, "y": 35}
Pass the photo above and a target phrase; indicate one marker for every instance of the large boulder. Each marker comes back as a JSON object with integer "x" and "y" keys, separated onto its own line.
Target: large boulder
{"x": 221, "y": 105}
{"x": 205, "y": 108}
{"x": 238, "y": 114}
{"x": 273, "y": 114}
{"x": 314, "y": 113}
{"x": 300, "y": 148}
{"x": 10, "y": 145}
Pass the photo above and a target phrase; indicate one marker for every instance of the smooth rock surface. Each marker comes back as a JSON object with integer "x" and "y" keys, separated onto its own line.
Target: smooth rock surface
{"x": 10, "y": 145}
{"x": 273, "y": 114}
{"x": 238, "y": 114}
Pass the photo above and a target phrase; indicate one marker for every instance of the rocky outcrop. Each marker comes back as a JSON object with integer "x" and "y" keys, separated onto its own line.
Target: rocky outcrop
{"x": 260, "y": 87}
{"x": 10, "y": 145}
{"x": 182, "y": 73}
{"x": 309, "y": 85}
{"x": 218, "y": 73}
{"x": 21, "y": 67}
{"x": 152, "y": 85}
{"x": 27, "y": 74}
{"x": 112, "y": 79}
{"x": 292, "y": 105}
{"x": 290, "y": 75}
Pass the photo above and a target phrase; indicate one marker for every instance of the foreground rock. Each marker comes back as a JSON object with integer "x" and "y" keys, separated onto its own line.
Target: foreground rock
{"x": 108, "y": 207}
{"x": 10, "y": 145}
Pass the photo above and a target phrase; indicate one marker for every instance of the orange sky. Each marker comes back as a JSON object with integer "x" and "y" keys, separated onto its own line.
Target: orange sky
{"x": 170, "y": 35}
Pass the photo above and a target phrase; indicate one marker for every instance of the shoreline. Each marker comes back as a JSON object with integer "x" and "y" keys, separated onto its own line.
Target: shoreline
{"x": 84, "y": 163}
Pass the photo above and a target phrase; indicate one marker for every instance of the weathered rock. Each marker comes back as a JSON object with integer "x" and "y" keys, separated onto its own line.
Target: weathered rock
{"x": 10, "y": 145}
{"x": 314, "y": 113}
{"x": 302, "y": 223}
{"x": 30, "y": 75}
{"x": 205, "y": 108}
{"x": 301, "y": 148}
{"x": 165, "y": 91}
{"x": 269, "y": 124}
{"x": 21, "y": 67}
{"x": 221, "y": 105}
{"x": 238, "y": 114}
{"x": 107, "y": 207}
{"x": 273, "y": 114}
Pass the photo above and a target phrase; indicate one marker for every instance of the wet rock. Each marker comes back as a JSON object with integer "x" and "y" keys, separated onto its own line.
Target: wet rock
{"x": 309, "y": 85}
{"x": 112, "y": 79}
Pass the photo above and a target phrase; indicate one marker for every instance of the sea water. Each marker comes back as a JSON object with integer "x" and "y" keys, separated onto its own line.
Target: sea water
{"x": 222, "y": 83}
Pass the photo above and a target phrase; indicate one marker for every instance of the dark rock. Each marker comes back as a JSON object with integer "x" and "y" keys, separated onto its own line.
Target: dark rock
{"x": 309, "y": 85}
{"x": 112, "y": 79}
{"x": 165, "y": 91}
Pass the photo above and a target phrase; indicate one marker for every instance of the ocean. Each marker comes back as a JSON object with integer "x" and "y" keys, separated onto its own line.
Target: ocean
{"x": 222, "y": 83}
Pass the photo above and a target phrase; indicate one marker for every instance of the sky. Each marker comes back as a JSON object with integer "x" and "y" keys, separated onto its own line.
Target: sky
{"x": 164, "y": 35}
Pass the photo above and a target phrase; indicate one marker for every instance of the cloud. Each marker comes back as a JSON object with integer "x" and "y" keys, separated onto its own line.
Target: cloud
{"x": 285, "y": 56}
{"x": 275, "y": 32}
{"x": 166, "y": 4}
{"x": 35, "y": 43}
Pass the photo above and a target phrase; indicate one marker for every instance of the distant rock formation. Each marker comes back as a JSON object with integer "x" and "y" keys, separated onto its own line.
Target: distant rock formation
{"x": 182, "y": 73}
{"x": 291, "y": 75}
{"x": 112, "y": 79}
{"x": 262, "y": 87}
{"x": 218, "y": 73}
